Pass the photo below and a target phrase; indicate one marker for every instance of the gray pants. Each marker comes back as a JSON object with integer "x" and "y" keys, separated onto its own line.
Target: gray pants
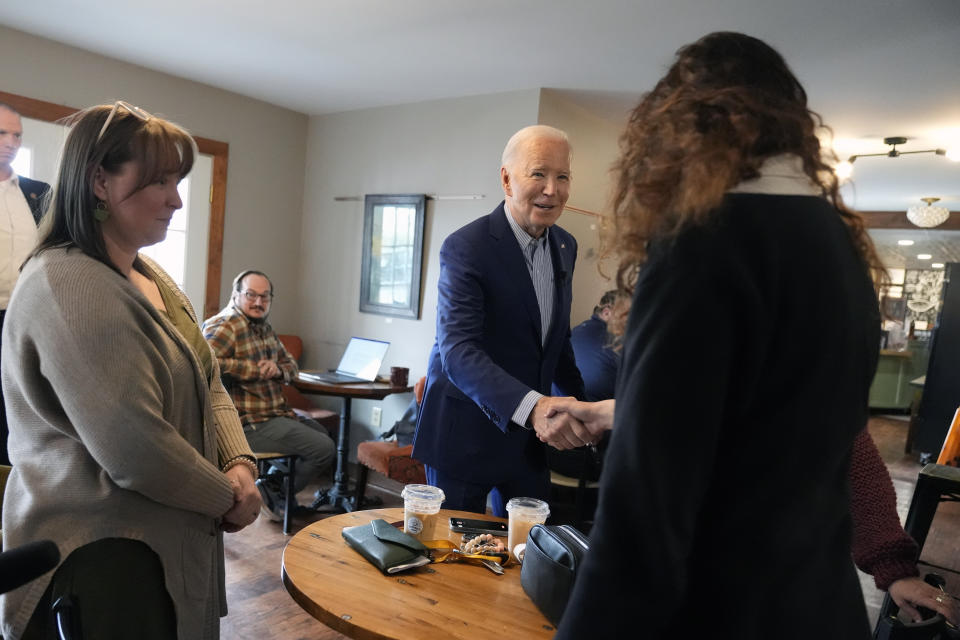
{"x": 305, "y": 437}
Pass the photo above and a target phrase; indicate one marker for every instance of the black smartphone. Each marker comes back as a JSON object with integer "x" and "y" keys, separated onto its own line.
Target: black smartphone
{"x": 465, "y": 525}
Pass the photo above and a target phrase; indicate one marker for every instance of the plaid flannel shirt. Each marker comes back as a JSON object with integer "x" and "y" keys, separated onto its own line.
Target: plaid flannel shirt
{"x": 239, "y": 344}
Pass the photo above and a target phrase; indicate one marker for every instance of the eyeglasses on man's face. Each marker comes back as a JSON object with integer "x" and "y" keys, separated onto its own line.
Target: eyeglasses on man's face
{"x": 132, "y": 109}
{"x": 253, "y": 296}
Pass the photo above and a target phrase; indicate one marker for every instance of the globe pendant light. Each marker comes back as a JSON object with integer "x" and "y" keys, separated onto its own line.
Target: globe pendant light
{"x": 928, "y": 216}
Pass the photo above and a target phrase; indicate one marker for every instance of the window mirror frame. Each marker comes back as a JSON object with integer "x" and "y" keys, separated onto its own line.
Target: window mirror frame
{"x": 368, "y": 302}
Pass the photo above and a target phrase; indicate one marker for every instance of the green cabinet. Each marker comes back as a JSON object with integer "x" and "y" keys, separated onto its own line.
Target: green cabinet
{"x": 891, "y": 385}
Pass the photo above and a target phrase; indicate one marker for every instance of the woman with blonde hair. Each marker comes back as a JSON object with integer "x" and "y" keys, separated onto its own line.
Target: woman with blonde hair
{"x": 126, "y": 450}
{"x": 724, "y": 507}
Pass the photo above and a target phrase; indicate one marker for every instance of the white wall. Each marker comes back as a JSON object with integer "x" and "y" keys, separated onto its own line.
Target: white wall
{"x": 267, "y": 147}
{"x": 595, "y": 148}
{"x": 446, "y": 147}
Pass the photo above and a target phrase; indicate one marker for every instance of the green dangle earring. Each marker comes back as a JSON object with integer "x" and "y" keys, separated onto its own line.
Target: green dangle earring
{"x": 101, "y": 213}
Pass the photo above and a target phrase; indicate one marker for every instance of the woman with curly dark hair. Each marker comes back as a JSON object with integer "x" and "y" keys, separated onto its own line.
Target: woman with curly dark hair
{"x": 747, "y": 359}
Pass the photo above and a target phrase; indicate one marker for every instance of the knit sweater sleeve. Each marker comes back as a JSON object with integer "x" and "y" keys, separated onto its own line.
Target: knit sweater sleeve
{"x": 106, "y": 369}
{"x": 880, "y": 545}
{"x": 231, "y": 442}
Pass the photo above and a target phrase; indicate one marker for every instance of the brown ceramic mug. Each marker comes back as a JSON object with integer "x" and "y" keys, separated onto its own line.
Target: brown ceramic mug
{"x": 399, "y": 376}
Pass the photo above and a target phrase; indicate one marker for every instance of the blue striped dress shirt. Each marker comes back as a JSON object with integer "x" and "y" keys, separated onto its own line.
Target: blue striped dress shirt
{"x": 536, "y": 254}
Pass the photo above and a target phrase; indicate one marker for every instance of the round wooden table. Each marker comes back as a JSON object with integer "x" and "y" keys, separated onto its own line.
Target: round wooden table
{"x": 338, "y": 587}
{"x": 340, "y": 496}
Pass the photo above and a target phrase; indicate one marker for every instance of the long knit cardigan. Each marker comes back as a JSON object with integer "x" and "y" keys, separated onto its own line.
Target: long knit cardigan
{"x": 115, "y": 431}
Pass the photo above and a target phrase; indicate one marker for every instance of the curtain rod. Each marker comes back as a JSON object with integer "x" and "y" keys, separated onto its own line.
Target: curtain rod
{"x": 430, "y": 196}
{"x": 585, "y": 212}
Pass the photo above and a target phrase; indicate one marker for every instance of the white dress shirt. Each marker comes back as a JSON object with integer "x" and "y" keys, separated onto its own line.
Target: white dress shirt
{"x": 18, "y": 235}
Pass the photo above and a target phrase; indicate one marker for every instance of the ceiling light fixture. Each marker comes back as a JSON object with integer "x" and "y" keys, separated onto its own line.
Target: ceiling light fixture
{"x": 845, "y": 169}
{"x": 928, "y": 216}
{"x": 905, "y": 243}
{"x": 937, "y": 265}
{"x": 924, "y": 256}
{"x": 894, "y": 152}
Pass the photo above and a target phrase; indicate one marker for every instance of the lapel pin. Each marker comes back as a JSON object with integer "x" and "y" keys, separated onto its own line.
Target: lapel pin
{"x": 563, "y": 245}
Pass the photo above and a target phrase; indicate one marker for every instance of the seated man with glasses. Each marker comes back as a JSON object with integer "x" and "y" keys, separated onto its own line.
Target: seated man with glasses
{"x": 255, "y": 366}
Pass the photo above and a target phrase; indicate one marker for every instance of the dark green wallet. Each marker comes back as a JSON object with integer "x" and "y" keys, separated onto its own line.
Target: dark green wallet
{"x": 386, "y": 547}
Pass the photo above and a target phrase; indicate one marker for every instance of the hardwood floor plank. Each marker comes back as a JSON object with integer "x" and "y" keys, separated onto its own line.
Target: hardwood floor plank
{"x": 258, "y": 604}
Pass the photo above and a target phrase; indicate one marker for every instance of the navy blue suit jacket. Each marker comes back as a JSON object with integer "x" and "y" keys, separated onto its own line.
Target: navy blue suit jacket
{"x": 35, "y": 193}
{"x": 488, "y": 355}
{"x": 596, "y": 359}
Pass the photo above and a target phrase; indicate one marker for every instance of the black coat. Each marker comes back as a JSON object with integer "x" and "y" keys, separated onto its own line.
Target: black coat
{"x": 724, "y": 504}
{"x": 36, "y": 194}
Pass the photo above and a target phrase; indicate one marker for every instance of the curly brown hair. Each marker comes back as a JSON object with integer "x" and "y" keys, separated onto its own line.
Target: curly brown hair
{"x": 727, "y": 103}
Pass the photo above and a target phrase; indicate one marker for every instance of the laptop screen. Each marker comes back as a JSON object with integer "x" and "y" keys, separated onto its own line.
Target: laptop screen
{"x": 363, "y": 358}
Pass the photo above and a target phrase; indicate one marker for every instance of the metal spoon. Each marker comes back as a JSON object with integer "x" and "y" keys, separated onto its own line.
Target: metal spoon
{"x": 493, "y": 566}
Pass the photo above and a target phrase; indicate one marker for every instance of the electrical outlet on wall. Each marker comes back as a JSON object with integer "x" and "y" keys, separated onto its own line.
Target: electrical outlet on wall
{"x": 375, "y": 416}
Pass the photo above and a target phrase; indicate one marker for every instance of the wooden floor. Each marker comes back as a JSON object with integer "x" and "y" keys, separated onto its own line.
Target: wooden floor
{"x": 261, "y": 608}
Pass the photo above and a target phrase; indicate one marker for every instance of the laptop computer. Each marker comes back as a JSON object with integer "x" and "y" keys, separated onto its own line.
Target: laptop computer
{"x": 360, "y": 363}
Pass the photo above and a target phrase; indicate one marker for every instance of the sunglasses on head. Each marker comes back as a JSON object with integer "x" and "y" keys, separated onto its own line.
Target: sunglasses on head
{"x": 132, "y": 109}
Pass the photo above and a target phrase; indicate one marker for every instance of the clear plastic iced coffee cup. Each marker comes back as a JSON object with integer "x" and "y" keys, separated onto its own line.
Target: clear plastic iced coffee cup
{"x": 523, "y": 513}
{"x": 421, "y": 502}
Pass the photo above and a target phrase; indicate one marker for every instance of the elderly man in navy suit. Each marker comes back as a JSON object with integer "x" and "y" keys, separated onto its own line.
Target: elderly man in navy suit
{"x": 22, "y": 202}
{"x": 503, "y": 335}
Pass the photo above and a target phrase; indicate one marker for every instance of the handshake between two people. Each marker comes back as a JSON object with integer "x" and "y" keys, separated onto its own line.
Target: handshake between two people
{"x": 567, "y": 423}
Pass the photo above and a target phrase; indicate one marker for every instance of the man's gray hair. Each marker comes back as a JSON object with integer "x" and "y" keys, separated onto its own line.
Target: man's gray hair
{"x": 518, "y": 139}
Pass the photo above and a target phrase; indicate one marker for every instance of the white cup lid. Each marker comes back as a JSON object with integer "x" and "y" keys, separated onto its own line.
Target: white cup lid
{"x": 528, "y": 507}
{"x": 422, "y": 492}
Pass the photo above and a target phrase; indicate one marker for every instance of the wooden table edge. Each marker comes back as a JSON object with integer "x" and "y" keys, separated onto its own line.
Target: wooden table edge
{"x": 323, "y": 616}
{"x": 360, "y": 390}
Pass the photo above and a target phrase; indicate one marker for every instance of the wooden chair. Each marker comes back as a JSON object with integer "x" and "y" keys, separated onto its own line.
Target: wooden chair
{"x": 950, "y": 452}
{"x": 299, "y": 402}
{"x": 285, "y": 464}
{"x": 389, "y": 458}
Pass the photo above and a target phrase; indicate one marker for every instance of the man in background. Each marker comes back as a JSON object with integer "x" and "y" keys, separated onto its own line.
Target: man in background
{"x": 22, "y": 202}
{"x": 597, "y": 360}
{"x": 503, "y": 336}
{"x": 255, "y": 366}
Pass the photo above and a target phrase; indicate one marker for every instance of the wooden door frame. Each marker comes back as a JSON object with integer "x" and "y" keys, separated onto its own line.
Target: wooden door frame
{"x": 51, "y": 112}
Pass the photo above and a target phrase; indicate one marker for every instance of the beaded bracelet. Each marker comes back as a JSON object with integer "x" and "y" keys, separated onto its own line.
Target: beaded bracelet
{"x": 244, "y": 460}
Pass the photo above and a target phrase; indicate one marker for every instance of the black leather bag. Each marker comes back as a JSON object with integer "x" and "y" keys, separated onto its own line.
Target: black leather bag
{"x": 551, "y": 559}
